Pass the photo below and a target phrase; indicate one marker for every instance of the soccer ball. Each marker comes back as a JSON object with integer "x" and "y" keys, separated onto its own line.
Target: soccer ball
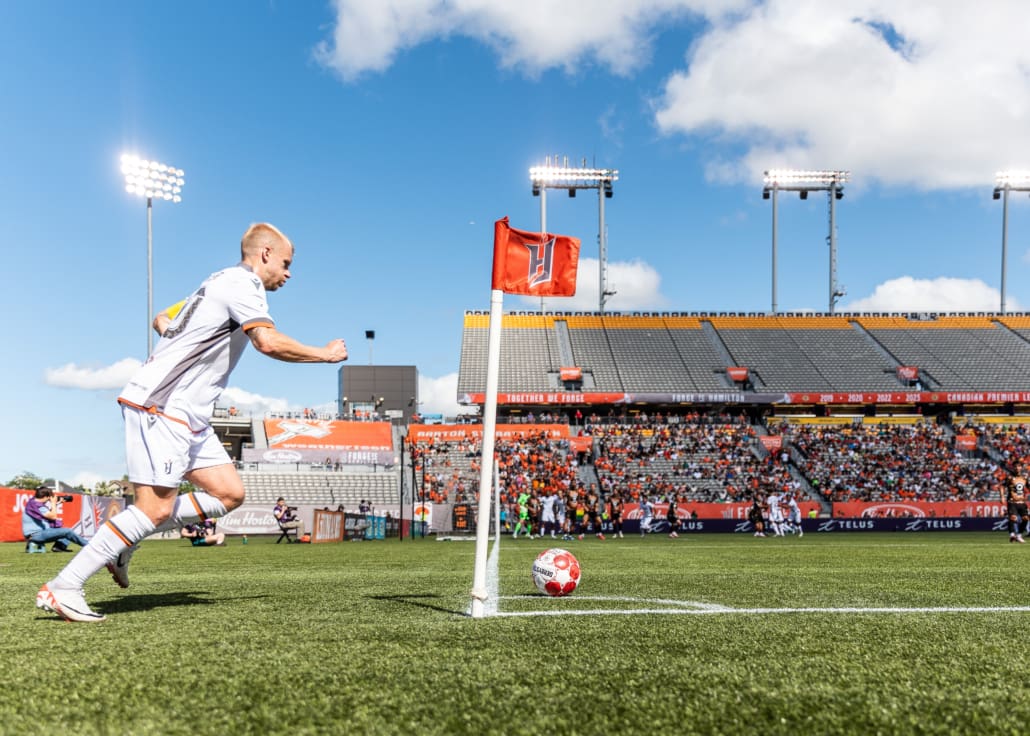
{"x": 556, "y": 572}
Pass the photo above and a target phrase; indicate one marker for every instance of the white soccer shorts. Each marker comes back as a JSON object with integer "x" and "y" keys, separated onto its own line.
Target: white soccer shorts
{"x": 159, "y": 451}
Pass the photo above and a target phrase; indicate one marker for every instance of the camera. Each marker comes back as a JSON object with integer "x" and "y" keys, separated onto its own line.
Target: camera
{"x": 292, "y": 508}
{"x": 65, "y": 499}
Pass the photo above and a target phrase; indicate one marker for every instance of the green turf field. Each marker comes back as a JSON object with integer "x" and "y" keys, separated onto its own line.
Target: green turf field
{"x": 371, "y": 638}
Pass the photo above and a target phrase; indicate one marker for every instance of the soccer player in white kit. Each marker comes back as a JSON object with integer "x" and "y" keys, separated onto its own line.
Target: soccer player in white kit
{"x": 794, "y": 515}
{"x": 547, "y": 518}
{"x": 646, "y": 515}
{"x": 166, "y": 407}
{"x": 775, "y": 513}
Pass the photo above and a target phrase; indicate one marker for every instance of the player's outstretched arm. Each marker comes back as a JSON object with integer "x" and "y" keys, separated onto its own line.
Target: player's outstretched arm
{"x": 280, "y": 346}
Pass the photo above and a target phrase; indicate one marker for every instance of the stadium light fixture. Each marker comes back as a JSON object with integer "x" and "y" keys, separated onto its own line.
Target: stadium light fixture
{"x": 804, "y": 181}
{"x": 572, "y": 178}
{"x": 1005, "y": 182}
{"x": 153, "y": 180}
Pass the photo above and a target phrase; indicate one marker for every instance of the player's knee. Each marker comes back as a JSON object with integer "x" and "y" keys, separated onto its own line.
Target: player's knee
{"x": 231, "y": 498}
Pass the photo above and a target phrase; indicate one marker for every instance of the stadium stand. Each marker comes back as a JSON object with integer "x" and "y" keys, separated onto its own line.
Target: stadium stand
{"x": 956, "y": 352}
{"x": 797, "y": 353}
{"x": 806, "y": 353}
{"x": 322, "y": 489}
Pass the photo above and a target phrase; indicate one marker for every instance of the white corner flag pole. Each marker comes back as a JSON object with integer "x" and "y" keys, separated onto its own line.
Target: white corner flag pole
{"x": 486, "y": 465}
{"x": 497, "y": 503}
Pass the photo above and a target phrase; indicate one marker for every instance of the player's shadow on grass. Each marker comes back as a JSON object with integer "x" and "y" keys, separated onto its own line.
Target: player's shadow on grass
{"x": 131, "y": 603}
{"x": 418, "y": 600}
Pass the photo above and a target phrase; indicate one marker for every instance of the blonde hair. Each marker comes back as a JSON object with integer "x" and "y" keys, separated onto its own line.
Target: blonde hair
{"x": 261, "y": 235}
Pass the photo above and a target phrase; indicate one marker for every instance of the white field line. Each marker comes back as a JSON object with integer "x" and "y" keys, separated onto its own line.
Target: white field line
{"x": 696, "y": 608}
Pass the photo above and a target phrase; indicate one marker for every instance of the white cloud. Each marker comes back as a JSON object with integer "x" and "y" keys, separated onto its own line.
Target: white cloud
{"x": 533, "y": 35}
{"x": 439, "y": 395}
{"x": 921, "y": 93}
{"x": 943, "y": 294}
{"x": 92, "y": 379}
{"x": 254, "y": 404}
{"x": 637, "y": 286}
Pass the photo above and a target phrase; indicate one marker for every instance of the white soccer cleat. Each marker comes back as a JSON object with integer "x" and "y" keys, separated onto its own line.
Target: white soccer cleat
{"x": 68, "y": 604}
{"x": 119, "y": 569}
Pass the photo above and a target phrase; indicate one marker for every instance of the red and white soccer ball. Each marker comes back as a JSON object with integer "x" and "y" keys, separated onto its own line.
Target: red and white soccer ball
{"x": 556, "y": 572}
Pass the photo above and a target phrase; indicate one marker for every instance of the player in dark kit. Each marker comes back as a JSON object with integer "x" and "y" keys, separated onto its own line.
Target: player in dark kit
{"x": 754, "y": 515}
{"x": 1015, "y": 498}
{"x": 672, "y": 516}
{"x": 615, "y": 514}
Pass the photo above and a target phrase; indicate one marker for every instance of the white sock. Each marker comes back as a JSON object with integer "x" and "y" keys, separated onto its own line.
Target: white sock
{"x": 111, "y": 539}
{"x": 191, "y": 507}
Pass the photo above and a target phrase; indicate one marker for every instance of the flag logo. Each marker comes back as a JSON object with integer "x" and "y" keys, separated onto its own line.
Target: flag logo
{"x": 541, "y": 261}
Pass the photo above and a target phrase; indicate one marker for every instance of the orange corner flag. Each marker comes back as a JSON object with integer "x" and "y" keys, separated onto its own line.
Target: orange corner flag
{"x": 534, "y": 264}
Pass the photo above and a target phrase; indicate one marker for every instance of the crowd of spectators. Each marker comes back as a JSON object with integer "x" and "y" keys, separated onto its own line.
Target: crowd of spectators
{"x": 884, "y": 462}
{"x": 694, "y": 457}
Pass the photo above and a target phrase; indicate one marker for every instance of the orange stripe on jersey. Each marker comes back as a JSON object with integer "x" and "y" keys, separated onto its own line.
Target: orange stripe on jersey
{"x": 118, "y": 533}
{"x": 252, "y": 325}
{"x": 200, "y": 511}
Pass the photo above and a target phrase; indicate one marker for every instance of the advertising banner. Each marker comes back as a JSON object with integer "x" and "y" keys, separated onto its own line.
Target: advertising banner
{"x": 965, "y": 441}
{"x": 709, "y": 510}
{"x": 448, "y": 432}
{"x": 325, "y": 441}
{"x": 581, "y": 444}
{"x": 328, "y": 526}
{"x": 737, "y": 373}
{"x": 83, "y": 514}
{"x": 551, "y": 398}
{"x": 570, "y": 373}
{"x": 821, "y": 526}
{"x": 771, "y": 442}
{"x": 908, "y": 372}
{"x": 918, "y": 509}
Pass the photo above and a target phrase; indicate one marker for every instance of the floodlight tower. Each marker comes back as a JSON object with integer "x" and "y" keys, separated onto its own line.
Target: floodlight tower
{"x": 803, "y": 182}
{"x": 1005, "y": 182}
{"x": 153, "y": 180}
{"x": 553, "y": 176}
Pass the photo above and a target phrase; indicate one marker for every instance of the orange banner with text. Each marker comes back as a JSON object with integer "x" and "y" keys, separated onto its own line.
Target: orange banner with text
{"x": 918, "y": 509}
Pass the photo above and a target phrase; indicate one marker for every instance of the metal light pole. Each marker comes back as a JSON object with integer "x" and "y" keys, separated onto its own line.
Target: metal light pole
{"x": 571, "y": 179}
{"x": 153, "y": 180}
{"x": 1006, "y": 181}
{"x": 543, "y": 227}
{"x": 803, "y": 182}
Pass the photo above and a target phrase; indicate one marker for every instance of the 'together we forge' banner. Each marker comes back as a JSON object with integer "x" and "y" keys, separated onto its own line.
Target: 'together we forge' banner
{"x": 550, "y": 398}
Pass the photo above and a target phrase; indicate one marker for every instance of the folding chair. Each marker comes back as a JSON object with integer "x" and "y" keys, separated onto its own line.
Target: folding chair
{"x": 289, "y": 533}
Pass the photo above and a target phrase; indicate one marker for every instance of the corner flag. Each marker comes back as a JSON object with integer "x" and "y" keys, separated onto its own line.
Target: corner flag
{"x": 534, "y": 264}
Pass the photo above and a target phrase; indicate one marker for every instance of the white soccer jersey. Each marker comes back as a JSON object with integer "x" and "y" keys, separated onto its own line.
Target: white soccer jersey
{"x": 775, "y": 512}
{"x": 794, "y": 511}
{"x": 191, "y": 364}
{"x": 547, "y": 508}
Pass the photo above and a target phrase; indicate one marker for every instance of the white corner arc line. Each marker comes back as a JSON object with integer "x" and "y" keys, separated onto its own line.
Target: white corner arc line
{"x": 693, "y": 608}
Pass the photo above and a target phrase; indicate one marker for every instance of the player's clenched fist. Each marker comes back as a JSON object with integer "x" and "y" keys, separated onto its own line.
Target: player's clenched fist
{"x": 336, "y": 351}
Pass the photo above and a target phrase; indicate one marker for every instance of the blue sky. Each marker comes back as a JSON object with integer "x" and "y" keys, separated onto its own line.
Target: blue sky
{"x": 385, "y": 137}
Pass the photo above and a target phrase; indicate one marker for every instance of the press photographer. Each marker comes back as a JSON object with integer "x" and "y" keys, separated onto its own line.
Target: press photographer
{"x": 41, "y": 521}
{"x": 286, "y": 517}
